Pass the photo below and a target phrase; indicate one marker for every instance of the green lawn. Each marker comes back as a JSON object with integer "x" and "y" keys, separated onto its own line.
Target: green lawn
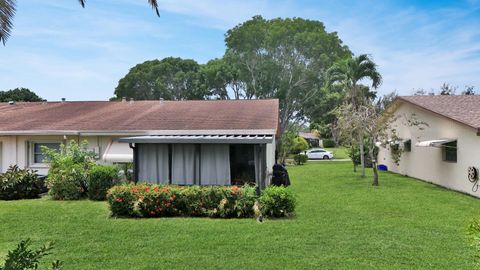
{"x": 342, "y": 222}
{"x": 338, "y": 152}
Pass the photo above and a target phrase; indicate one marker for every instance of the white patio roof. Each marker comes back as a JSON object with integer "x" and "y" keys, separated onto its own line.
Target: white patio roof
{"x": 202, "y": 138}
{"x": 434, "y": 143}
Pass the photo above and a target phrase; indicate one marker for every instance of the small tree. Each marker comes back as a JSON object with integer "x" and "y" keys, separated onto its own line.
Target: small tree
{"x": 69, "y": 169}
{"x": 291, "y": 143}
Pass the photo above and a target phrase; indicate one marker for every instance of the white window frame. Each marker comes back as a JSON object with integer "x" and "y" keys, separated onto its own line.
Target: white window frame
{"x": 31, "y": 152}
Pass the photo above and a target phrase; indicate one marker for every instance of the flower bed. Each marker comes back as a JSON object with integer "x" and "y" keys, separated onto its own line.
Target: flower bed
{"x": 145, "y": 200}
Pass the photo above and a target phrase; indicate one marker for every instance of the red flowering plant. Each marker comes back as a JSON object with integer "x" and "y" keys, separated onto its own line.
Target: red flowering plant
{"x": 159, "y": 201}
{"x": 122, "y": 200}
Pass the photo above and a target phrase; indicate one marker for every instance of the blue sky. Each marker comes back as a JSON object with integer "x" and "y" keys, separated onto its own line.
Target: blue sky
{"x": 60, "y": 50}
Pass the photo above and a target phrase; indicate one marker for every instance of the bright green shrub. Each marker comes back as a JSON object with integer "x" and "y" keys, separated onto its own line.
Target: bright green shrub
{"x": 69, "y": 169}
{"x": 328, "y": 143}
{"x": 100, "y": 180}
{"x": 277, "y": 202}
{"x": 300, "y": 159}
{"x": 24, "y": 258}
{"x": 16, "y": 184}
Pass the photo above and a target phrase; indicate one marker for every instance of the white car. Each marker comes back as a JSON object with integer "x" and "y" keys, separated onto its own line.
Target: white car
{"x": 319, "y": 154}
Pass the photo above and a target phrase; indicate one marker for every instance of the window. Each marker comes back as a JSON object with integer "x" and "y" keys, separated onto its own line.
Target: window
{"x": 407, "y": 146}
{"x": 38, "y": 156}
{"x": 449, "y": 151}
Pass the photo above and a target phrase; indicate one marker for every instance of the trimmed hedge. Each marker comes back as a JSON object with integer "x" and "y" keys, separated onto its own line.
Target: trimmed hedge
{"x": 100, "y": 180}
{"x": 277, "y": 202}
{"x": 328, "y": 143}
{"x": 300, "y": 159}
{"x": 146, "y": 200}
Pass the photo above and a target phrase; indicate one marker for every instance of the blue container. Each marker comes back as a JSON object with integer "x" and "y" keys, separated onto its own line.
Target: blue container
{"x": 382, "y": 167}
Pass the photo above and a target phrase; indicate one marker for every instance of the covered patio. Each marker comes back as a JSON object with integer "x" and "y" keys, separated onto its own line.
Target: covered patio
{"x": 203, "y": 159}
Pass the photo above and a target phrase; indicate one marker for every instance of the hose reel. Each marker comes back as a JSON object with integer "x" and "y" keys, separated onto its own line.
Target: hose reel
{"x": 473, "y": 177}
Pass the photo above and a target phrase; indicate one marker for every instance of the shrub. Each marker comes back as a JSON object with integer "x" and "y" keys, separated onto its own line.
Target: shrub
{"x": 18, "y": 183}
{"x": 328, "y": 143}
{"x": 146, "y": 200}
{"x": 277, "y": 202}
{"x": 122, "y": 199}
{"x": 24, "y": 258}
{"x": 68, "y": 173}
{"x": 300, "y": 159}
{"x": 100, "y": 180}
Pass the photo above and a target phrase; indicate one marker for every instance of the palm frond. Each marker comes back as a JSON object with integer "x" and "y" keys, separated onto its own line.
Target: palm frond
{"x": 7, "y": 12}
{"x": 82, "y": 2}
{"x": 154, "y": 5}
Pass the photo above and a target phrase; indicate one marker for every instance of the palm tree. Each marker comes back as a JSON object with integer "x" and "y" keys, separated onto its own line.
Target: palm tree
{"x": 7, "y": 11}
{"x": 349, "y": 73}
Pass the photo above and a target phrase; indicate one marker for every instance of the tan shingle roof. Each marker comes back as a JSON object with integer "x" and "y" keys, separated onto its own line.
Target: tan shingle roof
{"x": 140, "y": 115}
{"x": 463, "y": 109}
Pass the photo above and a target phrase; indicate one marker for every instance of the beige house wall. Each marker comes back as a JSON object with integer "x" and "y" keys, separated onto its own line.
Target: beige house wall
{"x": 426, "y": 163}
{"x": 18, "y": 149}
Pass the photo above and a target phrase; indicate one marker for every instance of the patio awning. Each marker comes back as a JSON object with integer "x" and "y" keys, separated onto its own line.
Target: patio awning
{"x": 117, "y": 152}
{"x": 206, "y": 138}
{"x": 434, "y": 143}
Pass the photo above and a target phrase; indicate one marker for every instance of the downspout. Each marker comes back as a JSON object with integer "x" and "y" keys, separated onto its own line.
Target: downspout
{"x": 135, "y": 162}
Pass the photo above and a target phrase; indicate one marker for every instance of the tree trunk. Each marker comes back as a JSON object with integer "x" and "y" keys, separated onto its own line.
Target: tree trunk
{"x": 375, "y": 173}
{"x": 362, "y": 158}
{"x": 354, "y": 167}
{"x": 374, "y": 165}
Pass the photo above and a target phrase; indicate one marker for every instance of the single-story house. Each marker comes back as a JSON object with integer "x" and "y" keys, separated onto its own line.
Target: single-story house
{"x": 181, "y": 142}
{"x": 311, "y": 138}
{"x": 445, "y": 150}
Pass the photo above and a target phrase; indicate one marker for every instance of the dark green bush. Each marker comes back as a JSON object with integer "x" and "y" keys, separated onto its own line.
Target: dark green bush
{"x": 16, "y": 184}
{"x": 100, "y": 180}
{"x": 25, "y": 258}
{"x": 69, "y": 169}
{"x": 277, "y": 202}
{"x": 328, "y": 143}
{"x": 300, "y": 159}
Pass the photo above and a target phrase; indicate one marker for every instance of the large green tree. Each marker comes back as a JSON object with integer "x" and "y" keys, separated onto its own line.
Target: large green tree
{"x": 284, "y": 59}
{"x": 170, "y": 78}
{"x": 8, "y": 8}
{"x": 19, "y": 94}
{"x": 221, "y": 78}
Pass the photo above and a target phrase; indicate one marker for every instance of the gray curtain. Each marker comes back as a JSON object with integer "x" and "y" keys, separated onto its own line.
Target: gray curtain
{"x": 215, "y": 164}
{"x": 153, "y": 163}
{"x": 260, "y": 164}
{"x": 183, "y": 164}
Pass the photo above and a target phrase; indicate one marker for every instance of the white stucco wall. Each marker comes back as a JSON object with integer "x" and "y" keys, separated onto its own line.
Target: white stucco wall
{"x": 426, "y": 163}
{"x": 17, "y": 149}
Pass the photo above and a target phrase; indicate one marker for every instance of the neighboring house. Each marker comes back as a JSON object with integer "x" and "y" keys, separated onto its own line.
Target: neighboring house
{"x": 182, "y": 142}
{"x": 311, "y": 138}
{"x": 442, "y": 152}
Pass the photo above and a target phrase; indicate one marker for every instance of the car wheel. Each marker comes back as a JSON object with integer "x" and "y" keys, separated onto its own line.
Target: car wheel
{"x": 326, "y": 157}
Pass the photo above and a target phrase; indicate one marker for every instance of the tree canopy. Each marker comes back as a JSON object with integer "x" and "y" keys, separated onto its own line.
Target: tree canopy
{"x": 170, "y": 78}
{"x": 19, "y": 94}
{"x": 284, "y": 59}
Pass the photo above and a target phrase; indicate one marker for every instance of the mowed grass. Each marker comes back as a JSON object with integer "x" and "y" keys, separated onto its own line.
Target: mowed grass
{"x": 342, "y": 222}
{"x": 338, "y": 152}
